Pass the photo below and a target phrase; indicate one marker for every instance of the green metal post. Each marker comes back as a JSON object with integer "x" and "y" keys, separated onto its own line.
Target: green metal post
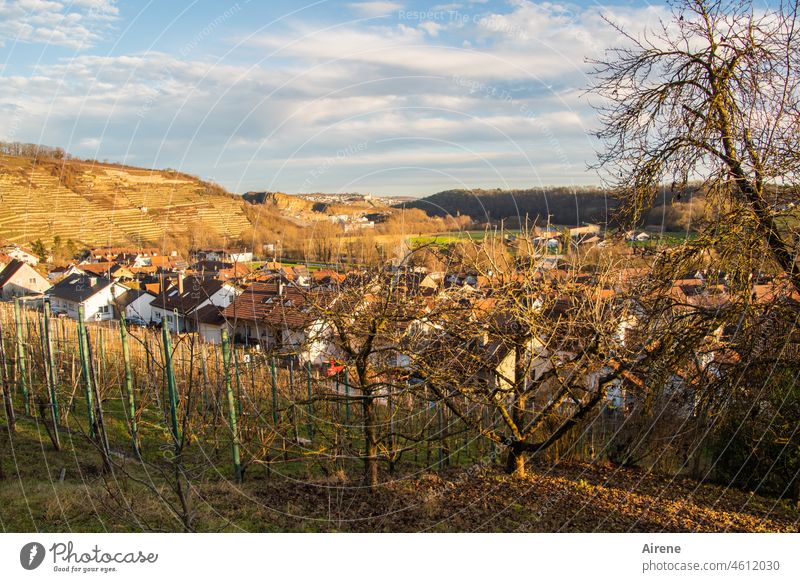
{"x": 171, "y": 390}
{"x": 238, "y": 381}
{"x": 50, "y": 369}
{"x": 22, "y": 376}
{"x": 7, "y": 400}
{"x": 129, "y": 394}
{"x": 310, "y": 405}
{"x": 226, "y": 360}
{"x": 83, "y": 344}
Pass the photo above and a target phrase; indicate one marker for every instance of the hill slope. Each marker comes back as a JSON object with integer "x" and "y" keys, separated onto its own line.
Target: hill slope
{"x": 103, "y": 204}
{"x": 563, "y": 205}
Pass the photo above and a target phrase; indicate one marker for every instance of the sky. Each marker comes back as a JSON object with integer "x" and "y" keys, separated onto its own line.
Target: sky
{"x": 397, "y": 97}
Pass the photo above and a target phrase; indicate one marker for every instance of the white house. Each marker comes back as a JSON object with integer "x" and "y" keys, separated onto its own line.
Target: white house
{"x": 19, "y": 279}
{"x": 135, "y": 303}
{"x": 61, "y": 272}
{"x": 97, "y": 295}
{"x": 16, "y": 252}
{"x": 210, "y": 323}
{"x": 240, "y": 257}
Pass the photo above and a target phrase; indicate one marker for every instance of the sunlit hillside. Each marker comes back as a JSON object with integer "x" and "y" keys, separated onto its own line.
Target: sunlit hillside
{"x": 100, "y": 204}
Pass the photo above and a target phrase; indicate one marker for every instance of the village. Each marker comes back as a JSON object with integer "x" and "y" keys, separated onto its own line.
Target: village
{"x": 282, "y": 309}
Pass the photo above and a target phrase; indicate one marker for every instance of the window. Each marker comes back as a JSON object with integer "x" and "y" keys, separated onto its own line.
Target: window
{"x": 103, "y": 309}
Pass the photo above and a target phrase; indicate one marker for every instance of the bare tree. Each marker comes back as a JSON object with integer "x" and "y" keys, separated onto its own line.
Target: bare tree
{"x": 527, "y": 358}
{"x": 367, "y": 321}
{"x": 710, "y": 95}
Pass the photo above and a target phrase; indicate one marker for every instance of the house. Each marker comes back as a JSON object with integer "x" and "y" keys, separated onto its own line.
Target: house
{"x": 18, "y": 279}
{"x": 135, "y": 304}
{"x": 17, "y": 252}
{"x": 240, "y": 256}
{"x": 109, "y": 270}
{"x": 207, "y": 254}
{"x": 277, "y": 315}
{"x": 220, "y": 269}
{"x": 98, "y": 296}
{"x": 116, "y": 254}
{"x": 180, "y": 304}
{"x": 210, "y": 323}
{"x": 59, "y": 273}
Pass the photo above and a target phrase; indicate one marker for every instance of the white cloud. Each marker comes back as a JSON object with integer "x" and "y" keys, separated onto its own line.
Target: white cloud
{"x": 77, "y": 24}
{"x": 377, "y": 8}
{"x": 511, "y": 102}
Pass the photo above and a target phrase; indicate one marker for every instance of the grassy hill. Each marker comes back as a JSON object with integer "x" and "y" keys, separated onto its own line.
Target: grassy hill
{"x": 105, "y": 204}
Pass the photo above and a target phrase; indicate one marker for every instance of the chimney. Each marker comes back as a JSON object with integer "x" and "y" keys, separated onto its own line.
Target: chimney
{"x": 280, "y": 285}
{"x": 92, "y": 281}
{"x": 180, "y": 283}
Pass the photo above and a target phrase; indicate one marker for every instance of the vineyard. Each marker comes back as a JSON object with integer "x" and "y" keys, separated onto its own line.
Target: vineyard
{"x": 128, "y": 429}
{"x": 141, "y": 394}
{"x": 99, "y": 204}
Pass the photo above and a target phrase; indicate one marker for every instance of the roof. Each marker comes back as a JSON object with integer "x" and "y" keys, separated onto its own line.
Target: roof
{"x": 78, "y": 288}
{"x": 196, "y": 290}
{"x": 99, "y": 268}
{"x": 10, "y": 270}
{"x": 210, "y": 315}
{"x": 276, "y": 304}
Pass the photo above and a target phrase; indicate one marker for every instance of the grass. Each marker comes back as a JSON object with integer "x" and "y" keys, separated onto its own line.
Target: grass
{"x": 295, "y": 497}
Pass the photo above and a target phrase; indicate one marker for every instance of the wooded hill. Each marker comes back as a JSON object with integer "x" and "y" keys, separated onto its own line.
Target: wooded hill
{"x": 94, "y": 203}
{"x": 564, "y": 205}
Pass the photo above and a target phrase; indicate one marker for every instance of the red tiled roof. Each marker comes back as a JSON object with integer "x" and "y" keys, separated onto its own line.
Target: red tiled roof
{"x": 273, "y": 304}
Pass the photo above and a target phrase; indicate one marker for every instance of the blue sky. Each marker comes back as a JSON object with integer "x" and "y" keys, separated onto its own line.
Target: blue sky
{"x": 387, "y": 97}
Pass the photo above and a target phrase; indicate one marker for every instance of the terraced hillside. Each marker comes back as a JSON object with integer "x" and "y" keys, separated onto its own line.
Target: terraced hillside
{"x": 100, "y": 204}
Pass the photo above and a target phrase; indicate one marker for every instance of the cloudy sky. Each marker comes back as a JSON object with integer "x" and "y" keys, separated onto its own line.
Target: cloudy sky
{"x": 389, "y": 97}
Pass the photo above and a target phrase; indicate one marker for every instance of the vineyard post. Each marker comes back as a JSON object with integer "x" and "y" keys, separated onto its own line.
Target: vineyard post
{"x": 7, "y": 400}
{"x": 440, "y": 423}
{"x": 292, "y": 399}
{"x": 172, "y": 393}
{"x": 99, "y": 418}
{"x": 204, "y": 372}
{"x": 274, "y": 394}
{"x": 346, "y": 402}
{"x": 87, "y": 377}
{"x": 226, "y": 360}
{"x": 310, "y": 405}
{"x": 238, "y": 381}
{"x": 129, "y": 393}
{"x": 22, "y": 379}
{"x": 50, "y": 373}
